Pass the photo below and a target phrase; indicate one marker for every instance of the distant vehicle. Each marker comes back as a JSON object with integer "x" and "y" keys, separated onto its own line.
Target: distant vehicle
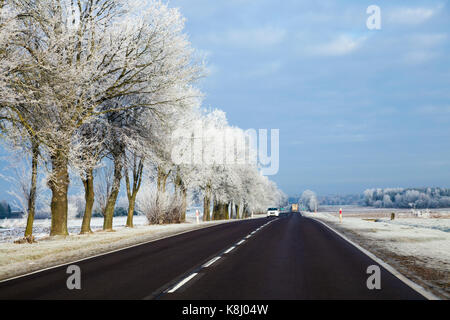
{"x": 294, "y": 207}
{"x": 273, "y": 212}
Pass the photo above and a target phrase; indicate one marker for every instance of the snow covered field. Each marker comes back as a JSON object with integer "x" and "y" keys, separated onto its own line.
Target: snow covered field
{"x": 417, "y": 247}
{"x": 14, "y": 228}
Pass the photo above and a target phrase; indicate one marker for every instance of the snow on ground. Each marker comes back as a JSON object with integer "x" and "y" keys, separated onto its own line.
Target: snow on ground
{"x": 11, "y": 229}
{"x": 417, "y": 247}
{"x": 357, "y": 211}
{"x": 17, "y": 259}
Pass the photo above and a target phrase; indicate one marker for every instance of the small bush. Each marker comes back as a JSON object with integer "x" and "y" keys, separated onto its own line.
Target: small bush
{"x": 164, "y": 208}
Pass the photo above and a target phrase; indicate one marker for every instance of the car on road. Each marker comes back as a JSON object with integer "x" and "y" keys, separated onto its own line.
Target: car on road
{"x": 273, "y": 212}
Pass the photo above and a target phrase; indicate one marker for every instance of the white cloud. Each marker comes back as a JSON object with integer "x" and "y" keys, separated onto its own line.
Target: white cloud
{"x": 411, "y": 16}
{"x": 262, "y": 37}
{"x": 342, "y": 45}
{"x": 428, "y": 39}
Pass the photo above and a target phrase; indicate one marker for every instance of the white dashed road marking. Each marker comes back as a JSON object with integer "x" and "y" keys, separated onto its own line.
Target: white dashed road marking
{"x": 181, "y": 283}
{"x": 210, "y": 262}
{"x": 229, "y": 250}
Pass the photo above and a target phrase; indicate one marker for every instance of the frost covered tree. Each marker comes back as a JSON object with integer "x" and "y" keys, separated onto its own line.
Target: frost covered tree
{"x": 309, "y": 199}
{"x": 226, "y": 176}
{"x": 102, "y": 87}
{"x": 92, "y": 135}
{"x": 70, "y": 63}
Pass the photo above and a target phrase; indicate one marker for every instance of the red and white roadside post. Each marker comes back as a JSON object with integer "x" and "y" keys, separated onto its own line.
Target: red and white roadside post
{"x": 340, "y": 215}
{"x": 197, "y": 216}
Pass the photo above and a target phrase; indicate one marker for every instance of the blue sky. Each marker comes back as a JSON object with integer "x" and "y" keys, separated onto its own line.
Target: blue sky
{"x": 356, "y": 108}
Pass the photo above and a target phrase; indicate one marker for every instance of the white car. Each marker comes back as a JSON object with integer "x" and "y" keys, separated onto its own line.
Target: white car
{"x": 273, "y": 212}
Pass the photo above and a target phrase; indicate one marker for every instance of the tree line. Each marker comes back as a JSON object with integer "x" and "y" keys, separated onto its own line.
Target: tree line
{"x": 420, "y": 198}
{"x": 99, "y": 90}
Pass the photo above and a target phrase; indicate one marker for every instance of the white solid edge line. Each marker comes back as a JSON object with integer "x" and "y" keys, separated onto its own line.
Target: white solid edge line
{"x": 113, "y": 251}
{"x": 210, "y": 262}
{"x": 229, "y": 249}
{"x": 240, "y": 242}
{"x": 409, "y": 283}
{"x": 181, "y": 283}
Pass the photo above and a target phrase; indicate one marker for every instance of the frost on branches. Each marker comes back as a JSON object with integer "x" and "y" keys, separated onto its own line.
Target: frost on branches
{"x": 89, "y": 85}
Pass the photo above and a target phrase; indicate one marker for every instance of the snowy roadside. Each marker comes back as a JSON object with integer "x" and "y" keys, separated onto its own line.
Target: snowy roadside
{"x": 418, "y": 248}
{"x": 12, "y": 229}
{"x": 19, "y": 259}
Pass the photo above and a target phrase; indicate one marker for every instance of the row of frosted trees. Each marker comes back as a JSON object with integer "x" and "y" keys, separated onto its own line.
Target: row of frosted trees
{"x": 419, "y": 198}
{"x": 89, "y": 84}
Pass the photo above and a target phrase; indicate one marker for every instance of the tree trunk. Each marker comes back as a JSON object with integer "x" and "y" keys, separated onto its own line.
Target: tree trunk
{"x": 206, "y": 208}
{"x": 159, "y": 180}
{"x": 59, "y": 185}
{"x": 161, "y": 183}
{"x": 32, "y": 196}
{"x": 220, "y": 211}
{"x": 131, "y": 205}
{"x": 236, "y": 206}
{"x": 89, "y": 197}
{"x": 133, "y": 189}
{"x": 184, "y": 204}
{"x": 216, "y": 210}
{"x": 245, "y": 213}
{"x": 164, "y": 183}
{"x": 112, "y": 198}
{"x": 162, "y": 179}
{"x": 180, "y": 187}
{"x": 226, "y": 209}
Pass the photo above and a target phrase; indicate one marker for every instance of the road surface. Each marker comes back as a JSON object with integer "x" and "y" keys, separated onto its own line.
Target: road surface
{"x": 290, "y": 257}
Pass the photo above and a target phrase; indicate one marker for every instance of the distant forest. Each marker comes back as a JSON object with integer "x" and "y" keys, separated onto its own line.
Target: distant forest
{"x": 419, "y": 198}
{"x": 342, "y": 200}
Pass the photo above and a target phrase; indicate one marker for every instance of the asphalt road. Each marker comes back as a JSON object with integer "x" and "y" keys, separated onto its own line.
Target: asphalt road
{"x": 290, "y": 257}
